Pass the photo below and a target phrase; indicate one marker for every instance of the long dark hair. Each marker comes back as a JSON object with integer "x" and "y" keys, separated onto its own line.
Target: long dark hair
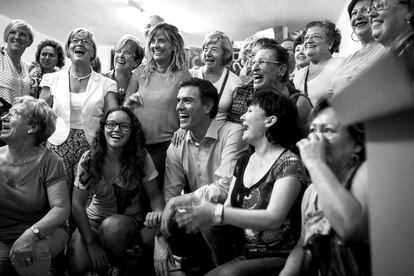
{"x": 132, "y": 158}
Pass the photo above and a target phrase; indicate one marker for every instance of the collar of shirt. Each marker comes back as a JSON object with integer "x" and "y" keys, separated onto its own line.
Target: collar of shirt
{"x": 212, "y": 133}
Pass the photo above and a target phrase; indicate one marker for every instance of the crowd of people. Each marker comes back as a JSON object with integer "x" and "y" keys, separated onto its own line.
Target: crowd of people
{"x": 154, "y": 168}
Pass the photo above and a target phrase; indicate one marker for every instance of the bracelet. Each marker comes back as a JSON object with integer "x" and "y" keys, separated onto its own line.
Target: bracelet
{"x": 218, "y": 214}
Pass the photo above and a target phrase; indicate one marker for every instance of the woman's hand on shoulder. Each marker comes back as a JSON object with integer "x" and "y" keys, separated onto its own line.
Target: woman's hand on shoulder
{"x": 178, "y": 137}
{"x": 134, "y": 101}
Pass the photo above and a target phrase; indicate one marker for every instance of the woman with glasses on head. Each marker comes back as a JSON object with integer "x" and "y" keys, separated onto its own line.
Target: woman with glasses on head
{"x": 370, "y": 52}
{"x": 115, "y": 173}
{"x": 322, "y": 39}
{"x": 393, "y": 26}
{"x": 128, "y": 55}
{"x": 80, "y": 97}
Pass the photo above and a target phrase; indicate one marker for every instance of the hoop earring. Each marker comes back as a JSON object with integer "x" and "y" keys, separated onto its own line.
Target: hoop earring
{"x": 352, "y": 37}
{"x": 355, "y": 159}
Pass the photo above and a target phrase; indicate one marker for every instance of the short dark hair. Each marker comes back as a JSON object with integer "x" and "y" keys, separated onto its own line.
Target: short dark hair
{"x": 300, "y": 39}
{"x": 286, "y": 131}
{"x": 207, "y": 93}
{"x": 356, "y": 131}
{"x": 58, "y": 49}
{"x": 332, "y": 33}
{"x": 282, "y": 56}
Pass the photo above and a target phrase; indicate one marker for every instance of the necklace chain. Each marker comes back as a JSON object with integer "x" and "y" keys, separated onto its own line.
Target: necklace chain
{"x": 25, "y": 159}
{"x": 80, "y": 78}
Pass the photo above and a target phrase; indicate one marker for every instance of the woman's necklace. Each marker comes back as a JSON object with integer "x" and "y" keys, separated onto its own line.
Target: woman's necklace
{"x": 25, "y": 159}
{"x": 80, "y": 78}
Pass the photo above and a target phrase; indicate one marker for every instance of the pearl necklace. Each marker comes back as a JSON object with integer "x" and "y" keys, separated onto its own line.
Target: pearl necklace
{"x": 80, "y": 78}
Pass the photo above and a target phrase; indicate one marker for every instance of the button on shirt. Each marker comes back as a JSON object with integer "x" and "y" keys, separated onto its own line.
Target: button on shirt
{"x": 206, "y": 166}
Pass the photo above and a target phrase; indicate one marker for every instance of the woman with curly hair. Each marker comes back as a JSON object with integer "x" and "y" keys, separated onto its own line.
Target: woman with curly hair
{"x": 49, "y": 58}
{"x": 114, "y": 173}
{"x": 322, "y": 39}
{"x": 153, "y": 89}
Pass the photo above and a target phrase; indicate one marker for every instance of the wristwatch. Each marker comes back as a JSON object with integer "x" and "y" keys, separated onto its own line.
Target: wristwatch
{"x": 35, "y": 231}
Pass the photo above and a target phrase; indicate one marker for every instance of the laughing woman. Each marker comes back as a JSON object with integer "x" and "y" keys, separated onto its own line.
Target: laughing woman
{"x": 79, "y": 97}
{"x": 34, "y": 201}
{"x": 156, "y": 84}
{"x": 14, "y": 75}
{"x": 115, "y": 173}
{"x": 217, "y": 55}
{"x": 370, "y": 52}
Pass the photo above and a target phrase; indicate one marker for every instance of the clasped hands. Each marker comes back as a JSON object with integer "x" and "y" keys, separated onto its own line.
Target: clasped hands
{"x": 190, "y": 214}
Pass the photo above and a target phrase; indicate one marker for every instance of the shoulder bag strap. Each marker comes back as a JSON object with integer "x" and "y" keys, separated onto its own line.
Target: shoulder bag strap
{"x": 224, "y": 82}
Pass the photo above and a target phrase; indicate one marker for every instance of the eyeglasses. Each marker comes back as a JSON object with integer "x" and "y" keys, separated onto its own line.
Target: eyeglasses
{"x": 314, "y": 37}
{"x": 262, "y": 63}
{"x": 364, "y": 11}
{"x": 126, "y": 53}
{"x": 382, "y": 5}
{"x": 122, "y": 126}
{"x": 82, "y": 40}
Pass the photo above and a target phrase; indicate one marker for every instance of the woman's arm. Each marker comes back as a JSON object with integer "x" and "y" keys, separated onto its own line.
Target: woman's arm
{"x": 284, "y": 194}
{"x": 23, "y": 247}
{"x": 157, "y": 203}
{"x": 46, "y": 95}
{"x": 295, "y": 261}
{"x": 110, "y": 101}
{"x": 347, "y": 211}
{"x": 79, "y": 204}
{"x": 97, "y": 255}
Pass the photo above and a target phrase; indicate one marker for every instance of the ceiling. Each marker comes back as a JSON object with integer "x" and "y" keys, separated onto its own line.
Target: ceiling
{"x": 110, "y": 19}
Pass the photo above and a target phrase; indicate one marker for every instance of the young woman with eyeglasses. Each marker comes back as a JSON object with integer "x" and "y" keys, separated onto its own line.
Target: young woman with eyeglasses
{"x": 114, "y": 173}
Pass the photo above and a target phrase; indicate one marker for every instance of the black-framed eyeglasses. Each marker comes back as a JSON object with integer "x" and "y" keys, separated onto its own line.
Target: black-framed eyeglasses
{"x": 124, "y": 126}
{"x": 380, "y": 5}
{"x": 263, "y": 62}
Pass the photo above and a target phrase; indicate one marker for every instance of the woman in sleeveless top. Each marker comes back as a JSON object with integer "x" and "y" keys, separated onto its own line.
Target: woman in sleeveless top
{"x": 336, "y": 202}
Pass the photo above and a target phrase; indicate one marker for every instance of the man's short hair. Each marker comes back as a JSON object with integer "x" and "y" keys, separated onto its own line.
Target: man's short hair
{"x": 207, "y": 93}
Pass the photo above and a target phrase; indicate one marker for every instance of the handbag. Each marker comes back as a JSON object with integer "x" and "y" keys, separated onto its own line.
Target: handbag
{"x": 332, "y": 256}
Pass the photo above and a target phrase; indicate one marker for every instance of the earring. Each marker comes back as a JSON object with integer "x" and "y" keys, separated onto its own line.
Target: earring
{"x": 354, "y": 39}
{"x": 355, "y": 159}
